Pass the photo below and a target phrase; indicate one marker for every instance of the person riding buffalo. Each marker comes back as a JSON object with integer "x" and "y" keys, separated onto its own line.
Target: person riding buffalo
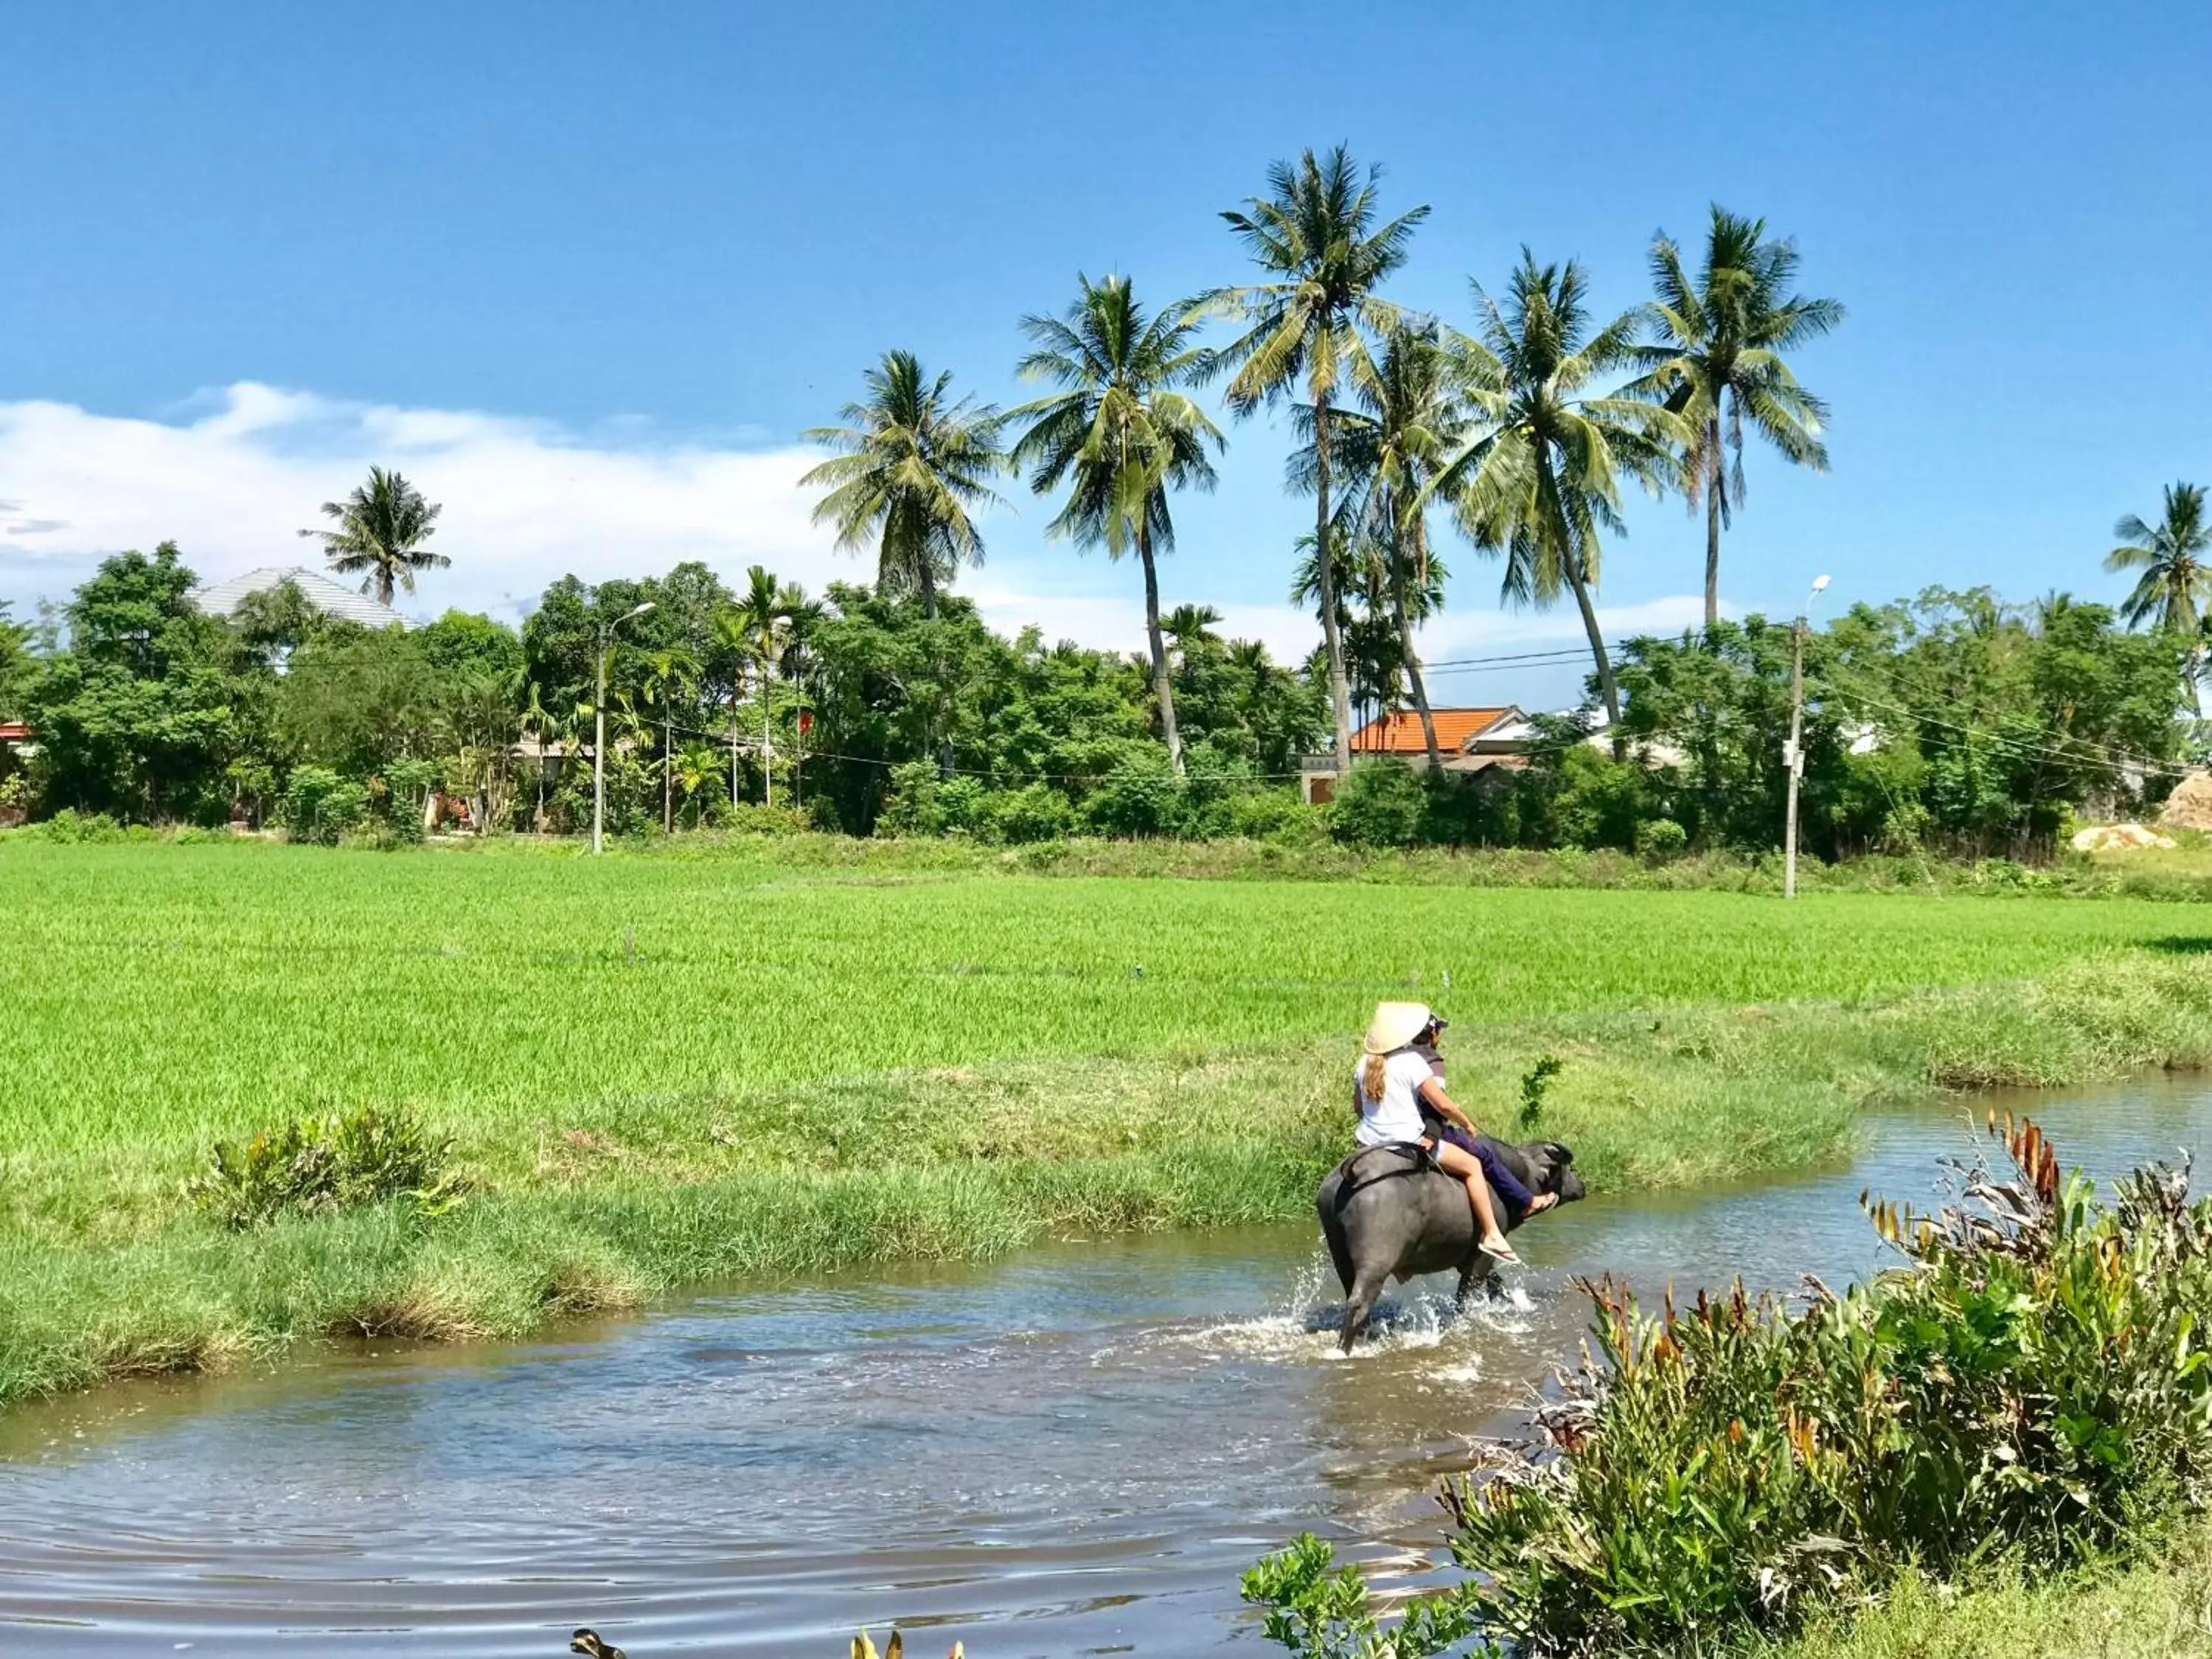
{"x": 1398, "y": 1075}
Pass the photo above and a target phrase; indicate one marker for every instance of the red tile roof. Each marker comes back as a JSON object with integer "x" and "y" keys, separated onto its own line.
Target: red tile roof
{"x": 13, "y": 732}
{"x": 1401, "y": 733}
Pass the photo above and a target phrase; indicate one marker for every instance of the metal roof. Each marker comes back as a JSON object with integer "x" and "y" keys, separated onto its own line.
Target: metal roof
{"x": 331, "y": 598}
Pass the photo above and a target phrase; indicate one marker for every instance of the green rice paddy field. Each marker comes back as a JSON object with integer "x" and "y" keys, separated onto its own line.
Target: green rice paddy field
{"x": 658, "y": 1069}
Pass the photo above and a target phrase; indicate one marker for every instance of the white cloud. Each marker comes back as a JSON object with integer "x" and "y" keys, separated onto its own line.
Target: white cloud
{"x": 525, "y": 504}
{"x": 242, "y": 470}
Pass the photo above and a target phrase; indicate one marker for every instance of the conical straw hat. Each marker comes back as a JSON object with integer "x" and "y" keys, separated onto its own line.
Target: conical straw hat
{"x": 1396, "y": 1025}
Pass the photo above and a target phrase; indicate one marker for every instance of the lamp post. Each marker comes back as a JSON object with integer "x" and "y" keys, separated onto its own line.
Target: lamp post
{"x": 1793, "y": 756}
{"x": 599, "y": 728}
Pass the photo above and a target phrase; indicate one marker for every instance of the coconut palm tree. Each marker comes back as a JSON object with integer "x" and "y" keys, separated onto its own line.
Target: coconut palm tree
{"x": 381, "y": 528}
{"x": 670, "y": 675}
{"x": 915, "y": 465}
{"x": 1540, "y": 478}
{"x": 1718, "y": 363}
{"x": 1411, "y": 418}
{"x": 1314, "y": 233}
{"x": 1122, "y": 433}
{"x": 2174, "y": 591}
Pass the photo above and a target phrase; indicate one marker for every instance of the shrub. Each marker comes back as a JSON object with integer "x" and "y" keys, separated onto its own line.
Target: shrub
{"x": 1278, "y": 815}
{"x": 912, "y": 807}
{"x": 2032, "y": 1387}
{"x": 1382, "y": 804}
{"x": 315, "y": 1165}
{"x": 320, "y": 806}
{"x": 1036, "y": 813}
{"x": 2034, "y": 1383}
{"x": 752, "y": 819}
{"x": 1661, "y": 841}
{"x": 1141, "y": 796}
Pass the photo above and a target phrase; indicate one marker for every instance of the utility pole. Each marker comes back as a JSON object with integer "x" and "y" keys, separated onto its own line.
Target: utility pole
{"x": 600, "y": 729}
{"x": 1794, "y": 754}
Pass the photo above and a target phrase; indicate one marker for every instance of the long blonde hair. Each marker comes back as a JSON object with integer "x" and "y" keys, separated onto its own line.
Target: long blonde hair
{"x": 1376, "y": 1073}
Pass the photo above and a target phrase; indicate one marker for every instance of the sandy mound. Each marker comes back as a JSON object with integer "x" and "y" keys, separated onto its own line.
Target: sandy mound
{"x": 2117, "y": 838}
{"x": 2190, "y": 805}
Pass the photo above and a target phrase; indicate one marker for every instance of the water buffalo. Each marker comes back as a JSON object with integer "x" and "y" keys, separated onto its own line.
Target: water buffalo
{"x": 1387, "y": 1216}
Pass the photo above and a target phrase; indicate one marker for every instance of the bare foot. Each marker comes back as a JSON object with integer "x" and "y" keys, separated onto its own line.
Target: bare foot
{"x": 1495, "y": 1246}
{"x": 1542, "y": 1202}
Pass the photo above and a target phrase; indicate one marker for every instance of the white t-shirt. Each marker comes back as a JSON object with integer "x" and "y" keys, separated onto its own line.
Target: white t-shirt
{"x": 1396, "y": 1116}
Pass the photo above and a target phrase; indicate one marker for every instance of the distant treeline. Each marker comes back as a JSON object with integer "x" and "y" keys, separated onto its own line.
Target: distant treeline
{"x": 1952, "y": 723}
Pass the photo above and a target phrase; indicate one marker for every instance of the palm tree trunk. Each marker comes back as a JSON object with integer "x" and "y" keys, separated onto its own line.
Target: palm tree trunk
{"x": 1339, "y": 695}
{"x": 767, "y": 754}
{"x": 667, "y": 771}
{"x": 737, "y": 700}
{"x": 1161, "y": 687}
{"x": 1607, "y": 687}
{"x": 1413, "y": 658}
{"x": 1714, "y": 481}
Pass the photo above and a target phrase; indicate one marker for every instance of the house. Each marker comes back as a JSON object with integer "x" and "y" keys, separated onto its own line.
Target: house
{"x": 1467, "y": 739}
{"x": 15, "y": 734}
{"x": 325, "y": 593}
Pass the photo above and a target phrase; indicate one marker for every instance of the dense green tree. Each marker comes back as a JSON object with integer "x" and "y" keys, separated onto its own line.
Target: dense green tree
{"x": 1541, "y": 478}
{"x": 2174, "y": 591}
{"x": 914, "y": 466}
{"x": 1315, "y": 234}
{"x": 462, "y": 642}
{"x": 357, "y": 700}
{"x": 2016, "y": 714}
{"x": 1718, "y": 364}
{"x": 143, "y": 712}
{"x": 381, "y": 529}
{"x": 1121, "y": 434}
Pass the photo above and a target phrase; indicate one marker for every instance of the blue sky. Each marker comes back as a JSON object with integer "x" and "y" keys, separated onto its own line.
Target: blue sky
{"x": 586, "y": 272}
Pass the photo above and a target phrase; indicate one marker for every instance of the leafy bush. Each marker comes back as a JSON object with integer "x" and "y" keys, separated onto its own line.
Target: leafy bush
{"x": 2034, "y": 1386}
{"x": 1661, "y": 841}
{"x": 320, "y": 806}
{"x": 1141, "y": 796}
{"x": 70, "y": 826}
{"x": 912, "y": 806}
{"x": 1038, "y": 812}
{"x": 751, "y": 818}
{"x": 1381, "y": 803}
{"x": 1278, "y": 815}
{"x": 314, "y": 1165}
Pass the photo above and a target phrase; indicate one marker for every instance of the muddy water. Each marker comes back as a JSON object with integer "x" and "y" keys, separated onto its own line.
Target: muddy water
{"x": 1075, "y": 1452}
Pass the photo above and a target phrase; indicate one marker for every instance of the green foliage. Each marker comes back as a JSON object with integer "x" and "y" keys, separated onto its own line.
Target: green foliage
{"x": 320, "y": 806}
{"x": 318, "y": 1165}
{"x": 2034, "y": 1386}
{"x": 1321, "y": 1611}
{"x": 1141, "y": 797}
{"x": 1660, "y": 841}
{"x": 1381, "y": 803}
{"x": 1533, "y": 1084}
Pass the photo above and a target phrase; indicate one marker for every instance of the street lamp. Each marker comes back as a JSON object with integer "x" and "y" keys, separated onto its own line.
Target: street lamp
{"x": 1793, "y": 756}
{"x": 600, "y": 729}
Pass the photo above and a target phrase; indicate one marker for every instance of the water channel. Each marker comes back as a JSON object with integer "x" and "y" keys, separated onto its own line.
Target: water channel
{"x": 1073, "y": 1452}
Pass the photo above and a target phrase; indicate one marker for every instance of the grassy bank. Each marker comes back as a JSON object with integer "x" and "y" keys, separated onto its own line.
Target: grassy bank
{"x": 2156, "y": 1608}
{"x": 592, "y": 1193}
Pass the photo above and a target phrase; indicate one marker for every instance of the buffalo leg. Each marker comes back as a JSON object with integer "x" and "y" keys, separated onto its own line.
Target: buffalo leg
{"x": 1359, "y": 1305}
{"x": 1478, "y": 1274}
